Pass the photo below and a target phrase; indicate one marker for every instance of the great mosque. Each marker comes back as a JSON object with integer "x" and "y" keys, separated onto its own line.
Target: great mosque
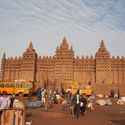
{"x": 63, "y": 68}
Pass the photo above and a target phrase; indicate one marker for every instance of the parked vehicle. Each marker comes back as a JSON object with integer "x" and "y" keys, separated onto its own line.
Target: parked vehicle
{"x": 16, "y": 87}
{"x": 74, "y": 86}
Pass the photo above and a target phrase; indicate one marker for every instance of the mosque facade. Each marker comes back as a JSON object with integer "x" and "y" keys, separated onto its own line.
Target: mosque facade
{"x": 64, "y": 68}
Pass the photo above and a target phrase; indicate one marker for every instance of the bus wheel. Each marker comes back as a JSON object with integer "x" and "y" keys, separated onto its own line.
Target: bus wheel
{"x": 83, "y": 94}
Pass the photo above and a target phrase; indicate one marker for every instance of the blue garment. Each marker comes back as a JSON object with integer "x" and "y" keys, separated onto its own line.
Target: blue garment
{"x": 55, "y": 97}
{"x": 39, "y": 92}
{"x": 50, "y": 96}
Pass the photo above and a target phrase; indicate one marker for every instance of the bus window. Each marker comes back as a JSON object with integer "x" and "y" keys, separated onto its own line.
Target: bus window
{"x": 22, "y": 85}
{"x": 7, "y": 85}
{"x": 17, "y": 85}
{"x": 68, "y": 87}
{"x": 81, "y": 87}
{"x": 12, "y": 85}
{"x": 74, "y": 87}
{"x": 88, "y": 87}
{"x": 2, "y": 85}
{"x": 28, "y": 85}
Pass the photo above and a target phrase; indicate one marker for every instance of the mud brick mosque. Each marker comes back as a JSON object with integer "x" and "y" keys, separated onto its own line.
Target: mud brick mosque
{"x": 64, "y": 67}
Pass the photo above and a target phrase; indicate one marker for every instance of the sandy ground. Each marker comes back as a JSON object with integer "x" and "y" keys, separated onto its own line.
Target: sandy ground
{"x": 102, "y": 115}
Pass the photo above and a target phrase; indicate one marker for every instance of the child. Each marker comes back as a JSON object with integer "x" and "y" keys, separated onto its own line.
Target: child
{"x": 90, "y": 104}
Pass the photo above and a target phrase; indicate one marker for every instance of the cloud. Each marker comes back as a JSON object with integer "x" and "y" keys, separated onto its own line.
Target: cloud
{"x": 45, "y": 22}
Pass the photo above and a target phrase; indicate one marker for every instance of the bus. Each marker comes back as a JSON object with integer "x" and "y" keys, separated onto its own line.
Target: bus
{"x": 16, "y": 87}
{"x": 74, "y": 86}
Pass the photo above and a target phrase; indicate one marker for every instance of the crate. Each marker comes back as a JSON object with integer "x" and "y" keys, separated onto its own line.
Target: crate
{"x": 12, "y": 117}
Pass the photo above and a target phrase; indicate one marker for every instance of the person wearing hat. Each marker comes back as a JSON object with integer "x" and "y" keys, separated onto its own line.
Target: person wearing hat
{"x": 4, "y": 101}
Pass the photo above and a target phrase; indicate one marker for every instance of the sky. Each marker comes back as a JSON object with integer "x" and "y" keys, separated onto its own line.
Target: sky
{"x": 84, "y": 23}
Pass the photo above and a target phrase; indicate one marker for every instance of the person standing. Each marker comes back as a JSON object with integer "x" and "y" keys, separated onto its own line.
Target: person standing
{"x": 30, "y": 94}
{"x": 39, "y": 94}
{"x": 4, "y": 101}
{"x": 68, "y": 97}
{"x": 113, "y": 93}
{"x": 76, "y": 103}
{"x": 57, "y": 91}
{"x": 63, "y": 93}
{"x": 43, "y": 95}
{"x": 55, "y": 99}
{"x": 118, "y": 94}
{"x": 90, "y": 103}
{"x": 50, "y": 93}
{"x": 83, "y": 103}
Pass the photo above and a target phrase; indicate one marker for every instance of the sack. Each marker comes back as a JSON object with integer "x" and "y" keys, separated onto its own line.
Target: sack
{"x": 101, "y": 102}
{"x": 123, "y": 99}
{"x": 58, "y": 96}
{"x": 81, "y": 104}
{"x": 120, "y": 102}
{"x": 18, "y": 104}
{"x": 108, "y": 101}
{"x": 100, "y": 95}
{"x": 36, "y": 104}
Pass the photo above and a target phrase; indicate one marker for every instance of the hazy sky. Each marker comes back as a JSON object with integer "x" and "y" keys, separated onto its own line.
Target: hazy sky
{"x": 45, "y": 22}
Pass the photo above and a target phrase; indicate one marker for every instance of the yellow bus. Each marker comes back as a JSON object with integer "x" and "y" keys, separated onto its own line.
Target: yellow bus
{"x": 16, "y": 87}
{"x": 74, "y": 86}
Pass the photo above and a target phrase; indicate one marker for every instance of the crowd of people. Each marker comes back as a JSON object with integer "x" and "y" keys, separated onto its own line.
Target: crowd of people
{"x": 41, "y": 94}
{"x": 76, "y": 102}
{"x": 112, "y": 93}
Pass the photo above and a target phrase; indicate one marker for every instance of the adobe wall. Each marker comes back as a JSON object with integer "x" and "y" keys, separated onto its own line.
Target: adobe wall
{"x": 106, "y": 88}
{"x": 45, "y": 72}
{"x": 64, "y": 68}
{"x": 84, "y": 70}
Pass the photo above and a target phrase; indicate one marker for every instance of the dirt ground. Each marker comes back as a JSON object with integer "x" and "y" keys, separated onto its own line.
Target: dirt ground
{"x": 56, "y": 115}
